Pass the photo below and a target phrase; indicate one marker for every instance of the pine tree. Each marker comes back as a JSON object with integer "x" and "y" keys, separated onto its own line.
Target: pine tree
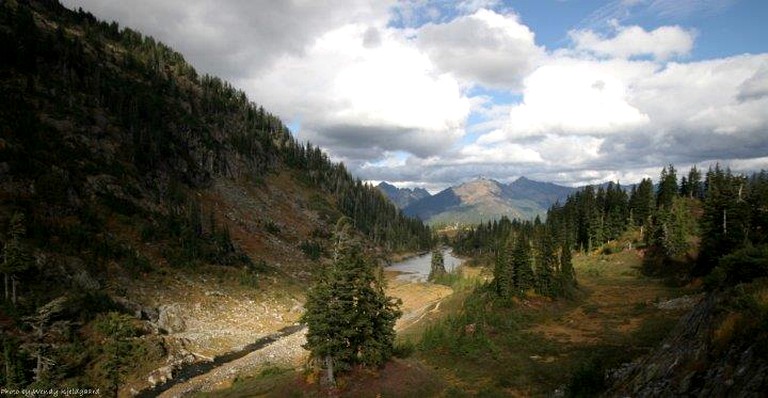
{"x": 350, "y": 319}
{"x": 16, "y": 257}
{"x": 641, "y": 202}
{"x": 667, "y": 187}
{"x": 725, "y": 222}
{"x": 522, "y": 272}
{"x": 546, "y": 265}
{"x": 695, "y": 186}
{"x": 567, "y": 274}
{"x": 437, "y": 265}
{"x": 503, "y": 270}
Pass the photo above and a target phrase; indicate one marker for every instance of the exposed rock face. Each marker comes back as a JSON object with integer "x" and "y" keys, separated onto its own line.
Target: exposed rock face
{"x": 170, "y": 319}
{"x": 691, "y": 363}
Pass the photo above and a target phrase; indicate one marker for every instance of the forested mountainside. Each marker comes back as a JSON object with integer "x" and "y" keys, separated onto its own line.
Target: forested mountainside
{"x": 120, "y": 165}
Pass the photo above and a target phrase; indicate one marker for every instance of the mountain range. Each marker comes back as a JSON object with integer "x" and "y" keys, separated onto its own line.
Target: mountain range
{"x": 479, "y": 200}
{"x": 402, "y": 197}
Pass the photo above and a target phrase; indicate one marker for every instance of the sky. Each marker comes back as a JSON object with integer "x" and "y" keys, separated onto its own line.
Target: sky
{"x": 431, "y": 93}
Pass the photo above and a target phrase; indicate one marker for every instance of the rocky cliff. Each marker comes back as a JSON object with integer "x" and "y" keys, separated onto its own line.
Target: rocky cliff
{"x": 719, "y": 349}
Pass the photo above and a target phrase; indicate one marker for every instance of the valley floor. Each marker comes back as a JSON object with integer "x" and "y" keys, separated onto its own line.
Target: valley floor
{"x": 532, "y": 347}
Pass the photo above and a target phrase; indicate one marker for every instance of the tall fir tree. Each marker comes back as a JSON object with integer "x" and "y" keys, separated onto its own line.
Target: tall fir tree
{"x": 668, "y": 188}
{"x": 349, "y": 317}
{"x": 503, "y": 270}
{"x": 437, "y": 265}
{"x": 641, "y": 202}
{"x": 523, "y": 278}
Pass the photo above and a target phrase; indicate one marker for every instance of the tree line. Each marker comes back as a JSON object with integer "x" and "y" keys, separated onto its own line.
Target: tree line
{"x": 688, "y": 226}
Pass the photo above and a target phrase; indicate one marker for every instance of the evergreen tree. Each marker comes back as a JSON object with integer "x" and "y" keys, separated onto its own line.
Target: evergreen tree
{"x": 641, "y": 202}
{"x": 521, "y": 265}
{"x": 503, "y": 270}
{"x": 546, "y": 266}
{"x": 725, "y": 222}
{"x": 350, "y": 319}
{"x": 437, "y": 265}
{"x": 16, "y": 257}
{"x": 695, "y": 186}
{"x": 668, "y": 188}
{"x": 567, "y": 273}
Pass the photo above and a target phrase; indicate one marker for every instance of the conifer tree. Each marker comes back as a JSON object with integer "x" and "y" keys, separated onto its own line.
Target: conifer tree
{"x": 350, "y": 319}
{"x": 667, "y": 187}
{"x": 437, "y": 265}
{"x": 503, "y": 270}
{"x": 523, "y": 278}
{"x": 567, "y": 273}
{"x": 695, "y": 186}
{"x": 546, "y": 266}
{"x": 641, "y": 202}
{"x": 16, "y": 257}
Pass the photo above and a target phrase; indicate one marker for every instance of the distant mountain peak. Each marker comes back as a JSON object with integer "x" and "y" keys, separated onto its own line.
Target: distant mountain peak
{"x": 483, "y": 199}
{"x": 402, "y": 197}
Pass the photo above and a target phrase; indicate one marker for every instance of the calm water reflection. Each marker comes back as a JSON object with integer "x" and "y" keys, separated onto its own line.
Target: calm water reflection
{"x": 416, "y": 269}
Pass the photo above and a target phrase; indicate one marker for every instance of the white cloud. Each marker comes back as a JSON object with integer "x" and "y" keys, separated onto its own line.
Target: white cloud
{"x": 484, "y": 48}
{"x": 236, "y": 38}
{"x": 357, "y": 97}
{"x": 706, "y": 97}
{"x": 630, "y": 41}
{"x": 571, "y": 96}
{"x": 502, "y": 153}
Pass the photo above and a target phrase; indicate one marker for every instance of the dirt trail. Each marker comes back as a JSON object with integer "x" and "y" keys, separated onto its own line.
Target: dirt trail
{"x": 418, "y": 299}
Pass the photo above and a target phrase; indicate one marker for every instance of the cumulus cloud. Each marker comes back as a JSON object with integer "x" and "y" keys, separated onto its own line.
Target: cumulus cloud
{"x": 630, "y": 41}
{"x": 484, "y": 48}
{"x": 358, "y": 98}
{"x": 572, "y": 96}
{"x": 238, "y": 38}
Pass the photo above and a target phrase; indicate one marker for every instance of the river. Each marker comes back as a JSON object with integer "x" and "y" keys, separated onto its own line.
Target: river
{"x": 416, "y": 269}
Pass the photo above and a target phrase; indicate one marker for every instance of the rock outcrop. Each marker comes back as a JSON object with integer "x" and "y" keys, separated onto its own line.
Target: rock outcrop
{"x": 697, "y": 359}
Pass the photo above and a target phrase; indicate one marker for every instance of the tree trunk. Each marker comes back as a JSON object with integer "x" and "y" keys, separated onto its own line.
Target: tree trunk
{"x": 6, "y": 286}
{"x": 14, "y": 282}
{"x": 329, "y": 371}
{"x": 39, "y": 367}
{"x": 7, "y": 358}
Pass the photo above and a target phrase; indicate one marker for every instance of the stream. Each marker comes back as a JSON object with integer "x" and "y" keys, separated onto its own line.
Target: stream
{"x": 416, "y": 269}
{"x": 190, "y": 371}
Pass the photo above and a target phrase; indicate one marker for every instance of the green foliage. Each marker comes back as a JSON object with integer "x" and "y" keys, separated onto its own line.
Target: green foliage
{"x": 726, "y": 220}
{"x": 350, "y": 319}
{"x": 668, "y": 189}
{"x": 466, "y": 333}
{"x": 437, "y": 265}
{"x": 743, "y": 265}
{"x": 119, "y": 352}
{"x": 312, "y": 249}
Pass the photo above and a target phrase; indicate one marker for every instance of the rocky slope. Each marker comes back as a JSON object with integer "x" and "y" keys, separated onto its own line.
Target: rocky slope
{"x": 719, "y": 349}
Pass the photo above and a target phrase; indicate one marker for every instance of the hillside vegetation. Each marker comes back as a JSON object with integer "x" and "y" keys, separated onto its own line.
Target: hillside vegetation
{"x": 135, "y": 192}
